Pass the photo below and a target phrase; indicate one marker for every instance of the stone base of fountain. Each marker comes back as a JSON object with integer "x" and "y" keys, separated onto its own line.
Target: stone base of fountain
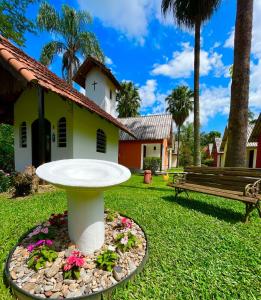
{"x": 94, "y": 281}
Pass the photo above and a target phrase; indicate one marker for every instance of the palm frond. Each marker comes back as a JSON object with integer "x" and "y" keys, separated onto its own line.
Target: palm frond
{"x": 87, "y": 44}
{"x": 186, "y": 12}
{"x": 50, "y": 50}
{"x": 48, "y": 18}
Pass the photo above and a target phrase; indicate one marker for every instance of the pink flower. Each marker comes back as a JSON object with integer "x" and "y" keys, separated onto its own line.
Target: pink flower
{"x": 30, "y": 248}
{"x": 124, "y": 240}
{"x": 126, "y": 222}
{"x": 44, "y": 230}
{"x": 67, "y": 267}
{"x": 79, "y": 262}
{"x": 48, "y": 242}
{"x": 71, "y": 260}
{"x": 76, "y": 253}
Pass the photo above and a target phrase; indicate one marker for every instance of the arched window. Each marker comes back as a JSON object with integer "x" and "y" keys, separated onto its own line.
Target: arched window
{"x": 61, "y": 128}
{"x": 23, "y": 135}
{"x": 100, "y": 141}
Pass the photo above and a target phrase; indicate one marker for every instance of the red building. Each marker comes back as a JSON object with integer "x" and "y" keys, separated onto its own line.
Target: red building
{"x": 256, "y": 138}
{"x": 216, "y": 152}
{"x": 154, "y": 139}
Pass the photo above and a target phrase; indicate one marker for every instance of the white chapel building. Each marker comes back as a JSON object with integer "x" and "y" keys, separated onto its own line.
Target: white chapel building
{"x": 51, "y": 119}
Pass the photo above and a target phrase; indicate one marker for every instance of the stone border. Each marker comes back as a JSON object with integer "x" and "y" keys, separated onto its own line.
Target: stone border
{"x": 22, "y": 294}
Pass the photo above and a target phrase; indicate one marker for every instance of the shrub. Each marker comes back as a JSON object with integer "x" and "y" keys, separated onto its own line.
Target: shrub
{"x": 7, "y": 147}
{"x": 5, "y": 181}
{"x": 208, "y": 162}
{"x": 22, "y": 184}
{"x": 26, "y": 183}
{"x": 152, "y": 163}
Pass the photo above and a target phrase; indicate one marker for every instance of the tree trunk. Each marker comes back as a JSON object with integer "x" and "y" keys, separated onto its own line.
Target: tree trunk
{"x": 197, "y": 156}
{"x": 178, "y": 146}
{"x": 238, "y": 116}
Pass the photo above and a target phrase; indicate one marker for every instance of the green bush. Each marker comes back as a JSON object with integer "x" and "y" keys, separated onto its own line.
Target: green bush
{"x": 208, "y": 162}
{"x": 5, "y": 181}
{"x": 6, "y": 148}
{"x": 152, "y": 163}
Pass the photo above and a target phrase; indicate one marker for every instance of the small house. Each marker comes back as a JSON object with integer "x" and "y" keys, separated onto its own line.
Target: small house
{"x": 154, "y": 138}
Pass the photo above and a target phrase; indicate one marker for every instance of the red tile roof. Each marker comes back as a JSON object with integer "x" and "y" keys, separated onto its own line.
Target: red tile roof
{"x": 86, "y": 67}
{"x": 34, "y": 72}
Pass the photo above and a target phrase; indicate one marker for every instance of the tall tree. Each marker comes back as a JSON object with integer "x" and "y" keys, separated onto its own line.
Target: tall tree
{"x": 180, "y": 104}
{"x": 72, "y": 38}
{"x": 13, "y": 20}
{"x": 208, "y": 138}
{"x": 186, "y": 147}
{"x": 192, "y": 14}
{"x": 128, "y": 100}
{"x": 238, "y": 116}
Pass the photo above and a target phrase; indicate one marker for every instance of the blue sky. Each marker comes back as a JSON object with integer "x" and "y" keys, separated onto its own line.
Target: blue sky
{"x": 157, "y": 56}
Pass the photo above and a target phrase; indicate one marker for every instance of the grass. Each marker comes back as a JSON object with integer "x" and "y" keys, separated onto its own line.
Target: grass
{"x": 198, "y": 248}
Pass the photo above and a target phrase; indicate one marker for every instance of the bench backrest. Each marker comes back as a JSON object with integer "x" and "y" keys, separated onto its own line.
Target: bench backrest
{"x": 234, "y": 179}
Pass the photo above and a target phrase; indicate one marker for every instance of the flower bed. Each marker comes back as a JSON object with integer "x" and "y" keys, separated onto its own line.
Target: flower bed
{"x": 47, "y": 264}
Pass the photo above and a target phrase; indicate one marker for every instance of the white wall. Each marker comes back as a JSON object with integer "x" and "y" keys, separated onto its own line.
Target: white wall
{"x": 26, "y": 109}
{"x": 150, "y": 152}
{"x": 85, "y": 126}
{"x": 97, "y": 95}
{"x": 101, "y": 94}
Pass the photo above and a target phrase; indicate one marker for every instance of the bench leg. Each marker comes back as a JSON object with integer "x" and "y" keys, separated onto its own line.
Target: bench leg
{"x": 179, "y": 191}
{"x": 250, "y": 207}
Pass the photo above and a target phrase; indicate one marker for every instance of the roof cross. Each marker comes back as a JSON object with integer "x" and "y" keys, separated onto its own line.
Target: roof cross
{"x": 94, "y": 84}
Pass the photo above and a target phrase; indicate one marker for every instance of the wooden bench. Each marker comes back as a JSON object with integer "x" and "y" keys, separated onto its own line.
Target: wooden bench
{"x": 241, "y": 184}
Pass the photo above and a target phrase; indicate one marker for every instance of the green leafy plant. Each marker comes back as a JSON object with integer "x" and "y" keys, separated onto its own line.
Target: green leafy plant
{"x": 40, "y": 256}
{"x": 107, "y": 260}
{"x": 126, "y": 241}
{"x": 5, "y": 181}
{"x": 111, "y": 215}
{"x": 152, "y": 163}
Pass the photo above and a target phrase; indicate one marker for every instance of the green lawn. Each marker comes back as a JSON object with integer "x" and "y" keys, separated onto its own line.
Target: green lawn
{"x": 198, "y": 248}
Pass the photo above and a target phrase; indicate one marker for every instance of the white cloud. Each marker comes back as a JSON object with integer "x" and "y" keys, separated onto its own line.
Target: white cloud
{"x": 151, "y": 98}
{"x": 129, "y": 17}
{"x": 108, "y": 60}
{"x": 182, "y": 63}
{"x": 229, "y": 43}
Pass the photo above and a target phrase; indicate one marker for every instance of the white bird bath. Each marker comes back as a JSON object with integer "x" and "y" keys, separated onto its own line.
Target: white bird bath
{"x": 84, "y": 181}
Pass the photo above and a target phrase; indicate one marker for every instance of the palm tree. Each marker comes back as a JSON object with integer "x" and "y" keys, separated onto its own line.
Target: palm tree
{"x": 192, "y": 14}
{"x": 238, "y": 116}
{"x": 180, "y": 105}
{"x": 72, "y": 39}
{"x": 128, "y": 100}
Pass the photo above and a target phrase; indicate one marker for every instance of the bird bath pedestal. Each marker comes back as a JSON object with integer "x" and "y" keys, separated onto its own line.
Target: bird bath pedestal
{"x": 84, "y": 181}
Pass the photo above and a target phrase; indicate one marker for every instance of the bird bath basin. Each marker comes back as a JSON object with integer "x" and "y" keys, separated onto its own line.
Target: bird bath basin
{"x": 84, "y": 181}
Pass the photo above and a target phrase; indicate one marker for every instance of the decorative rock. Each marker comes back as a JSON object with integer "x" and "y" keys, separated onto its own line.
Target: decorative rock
{"x": 13, "y": 275}
{"x": 68, "y": 281}
{"x": 118, "y": 273}
{"x": 74, "y": 294}
{"x": 40, "y": 295}
{"x": 48, "y": 294}
{"x": 54, "y": 268}
{"x": 29, "y": 287}
{"x": 132, "y": 266}
{"x": 73, "y": 287}
{"x": 48, "y": 288}
{"x": 56, "y": 295}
